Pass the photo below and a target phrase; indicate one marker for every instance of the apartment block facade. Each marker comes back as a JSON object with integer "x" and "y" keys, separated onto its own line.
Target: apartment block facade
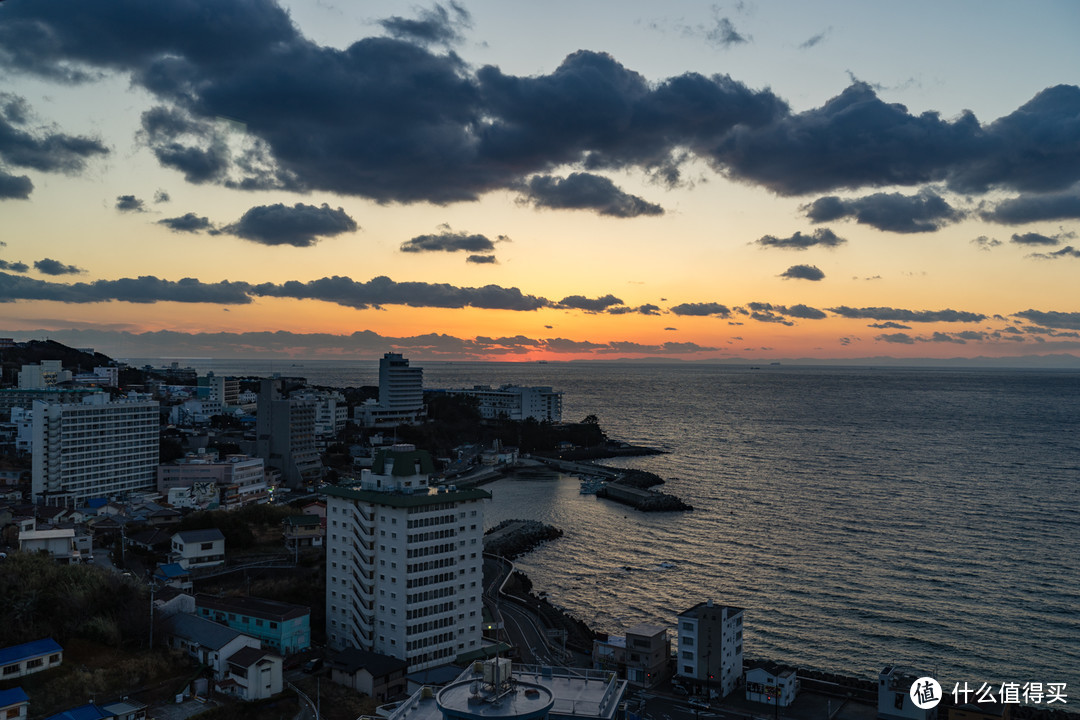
{"x": 404, "y": 563}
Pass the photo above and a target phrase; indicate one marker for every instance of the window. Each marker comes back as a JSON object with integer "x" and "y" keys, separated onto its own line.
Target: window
{"x": 687, "y": 641}
{"x": 687, "y": 670}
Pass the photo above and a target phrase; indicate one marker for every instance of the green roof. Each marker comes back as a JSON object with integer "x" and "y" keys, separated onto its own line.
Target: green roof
{"x": 405, "y": 462}
{"x": 399, "y": 500}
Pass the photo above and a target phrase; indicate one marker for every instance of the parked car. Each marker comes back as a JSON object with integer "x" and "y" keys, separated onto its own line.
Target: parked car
{"x": 313, "y": 665}
{"x": 679, "y": 690}
{"x": 698, "y": 702}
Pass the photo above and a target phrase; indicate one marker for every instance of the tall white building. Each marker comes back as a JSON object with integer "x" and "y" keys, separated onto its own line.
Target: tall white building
{"x": 93, "y": 449}
{"x": 710, "y": 647}
{"x": 404, "y": 563}
{"x": 401, "y": 395}
{"x": 516, "y": 402}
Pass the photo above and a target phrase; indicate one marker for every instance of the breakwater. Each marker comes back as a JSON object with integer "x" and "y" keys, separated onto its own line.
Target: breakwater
{"x": 512, "y": 538}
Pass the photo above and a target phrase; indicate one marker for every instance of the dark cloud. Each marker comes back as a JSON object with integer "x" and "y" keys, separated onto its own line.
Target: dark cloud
{"x": 671, "y": 328}
{"x": 1033, "y": 238}
{"x": 14, "y": 187}
{"x": 161, "y": 197}
{"x": 448, "y": 241}
{"x": 767, "y": 312}
{"x": 1033, "y": 208}
{"x": 129, "y": 203}
{"x": 245, "y": 100}
{"x": 481, "y": 259}
{"x": 147, "y": 289}
{"x": 724, "y": 34}
{"x": 1067, "y": 251}
{"x": 580, "y": 302}
{"x": 822, "y": 236}
{"x": 188, "y": 222}
{"x": 702, "y": 309}
{"x": 898, "y": 338}
{"x": 19, "y": 267}
{"x": 896, "y": 314}
{"x": 647, "y": 309}
{"x": 38, "y": 148}
{"x": 381, "y": 291}
{"x": 668, "y": 348}
{"x": 889, "y": 326}
{"x": 816, "y": 39}
{"x": 300, "y": 225}
{"x": 585, "y": 191}
{"x": 48, "y": 266}
{"x": 563, "y": 345}
{"x": 803, "y": 272}
{"x": 985, "y": 243}
{"x": 436, "y": 25}
{"x": 1034, "y": 149}
{"x": 940, "y": 337}
{"x": 925, "y": 211}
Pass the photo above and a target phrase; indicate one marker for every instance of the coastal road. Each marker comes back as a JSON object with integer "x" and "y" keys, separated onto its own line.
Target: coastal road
{"x": 521, "y": 626}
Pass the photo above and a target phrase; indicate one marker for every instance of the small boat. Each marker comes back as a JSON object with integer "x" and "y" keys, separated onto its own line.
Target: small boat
{"x": 667, "y": 565}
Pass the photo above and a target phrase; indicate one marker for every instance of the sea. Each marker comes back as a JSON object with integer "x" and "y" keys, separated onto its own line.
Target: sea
{"x": 862, "y": 517}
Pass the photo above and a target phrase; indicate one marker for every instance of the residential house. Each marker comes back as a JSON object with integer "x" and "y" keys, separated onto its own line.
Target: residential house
{"x": 29, "y": 658}
{"x": 194, "y": 549}
{"x": 894, "y": 695}
{"x": 302, "y": 531}
{"x": 252, "y": 674}
{"x": 647, "y": 653}
{"x": 768, "y": 682}
{"x": 206, "y": 641}
{"x": 14, "y": 704}
{"x": 376, "y": 675}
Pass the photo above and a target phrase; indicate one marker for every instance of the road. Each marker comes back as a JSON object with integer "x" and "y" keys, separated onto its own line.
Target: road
{"x": 521, "y": 627}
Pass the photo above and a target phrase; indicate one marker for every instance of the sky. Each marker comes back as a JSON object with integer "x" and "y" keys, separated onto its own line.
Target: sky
{"x": 510, "y": 181}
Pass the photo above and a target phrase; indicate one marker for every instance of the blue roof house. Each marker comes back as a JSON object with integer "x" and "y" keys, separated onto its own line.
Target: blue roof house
{"x": 28, "y": 658}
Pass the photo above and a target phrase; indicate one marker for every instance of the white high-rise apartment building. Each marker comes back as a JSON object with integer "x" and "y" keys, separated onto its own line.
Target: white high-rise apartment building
{"x": 710, "y": 647}
{"x": 401, "y": 395}
{"x": 404, "y": 563}
{"x": 93, "y": 449}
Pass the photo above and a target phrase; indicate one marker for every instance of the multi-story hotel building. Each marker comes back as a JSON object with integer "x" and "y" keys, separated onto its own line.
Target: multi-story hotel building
{"x": 516, "y": 402}
{"x": 404, "y": 563}
{"x": 401, "y": 395}
{"x": 93, "y": 449}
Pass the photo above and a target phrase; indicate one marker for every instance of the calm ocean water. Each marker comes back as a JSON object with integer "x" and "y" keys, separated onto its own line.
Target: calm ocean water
{"x": 863, "y": 517}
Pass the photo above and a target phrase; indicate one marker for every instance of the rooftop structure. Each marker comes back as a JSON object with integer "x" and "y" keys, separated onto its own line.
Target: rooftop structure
{"x": 497, "y": 689}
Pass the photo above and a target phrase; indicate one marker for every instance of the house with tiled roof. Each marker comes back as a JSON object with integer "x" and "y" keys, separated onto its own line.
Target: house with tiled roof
{"x": 252, "y": 674}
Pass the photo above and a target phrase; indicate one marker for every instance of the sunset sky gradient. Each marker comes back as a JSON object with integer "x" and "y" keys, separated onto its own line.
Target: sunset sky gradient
{"x": 502, "y": 180}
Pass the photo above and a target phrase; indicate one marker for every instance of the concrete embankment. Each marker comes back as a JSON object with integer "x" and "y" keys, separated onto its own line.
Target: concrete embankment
{"x": 629, "y": 487}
